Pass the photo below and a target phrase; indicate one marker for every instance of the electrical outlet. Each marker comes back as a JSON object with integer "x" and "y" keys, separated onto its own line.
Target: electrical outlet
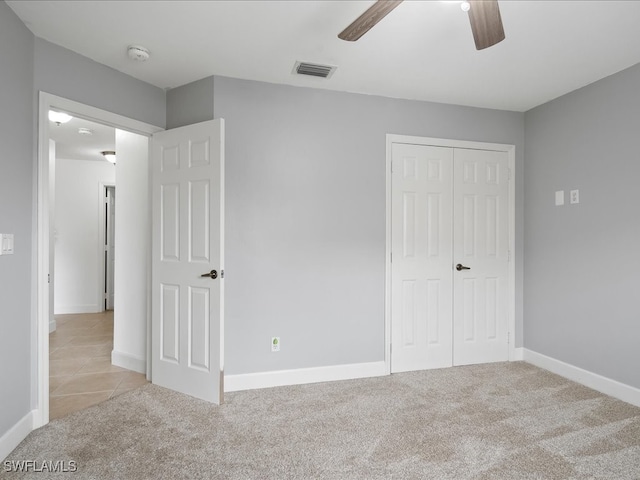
{"x": 575, "y": 196}
{"x": 275, "y": 344}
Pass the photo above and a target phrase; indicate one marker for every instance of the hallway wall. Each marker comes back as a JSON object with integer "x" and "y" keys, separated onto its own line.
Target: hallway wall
{"x": 78, "y": 227}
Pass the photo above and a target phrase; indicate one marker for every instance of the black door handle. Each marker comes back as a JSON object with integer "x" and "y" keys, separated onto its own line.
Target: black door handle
{"x": 460, "y": 267}
{"x": 212, "y": 274}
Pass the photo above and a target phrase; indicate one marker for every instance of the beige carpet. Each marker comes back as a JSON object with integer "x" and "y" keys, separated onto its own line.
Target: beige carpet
{"x": 498, "y": 421}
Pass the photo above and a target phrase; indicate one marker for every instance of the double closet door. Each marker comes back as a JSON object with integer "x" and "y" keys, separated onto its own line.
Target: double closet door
{"x": 450, "y": 255}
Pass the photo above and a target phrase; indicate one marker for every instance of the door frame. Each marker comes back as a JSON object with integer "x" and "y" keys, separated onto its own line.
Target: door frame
{"x": 40, "y": 268}
{"x": 511, "y": 291}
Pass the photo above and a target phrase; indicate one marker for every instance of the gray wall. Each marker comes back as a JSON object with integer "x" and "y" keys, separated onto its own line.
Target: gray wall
{"x": 190, "y": 103}
{"x": 582, "y": 261}
{"x": 305, "y": 229}
{"x": 66, "y": 74}
{"x": 31, "y": 64}
{"x": 16, "y": 180}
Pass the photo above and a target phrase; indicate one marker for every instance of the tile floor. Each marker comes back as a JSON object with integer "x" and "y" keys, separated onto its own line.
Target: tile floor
{"x": 80, "y": 370}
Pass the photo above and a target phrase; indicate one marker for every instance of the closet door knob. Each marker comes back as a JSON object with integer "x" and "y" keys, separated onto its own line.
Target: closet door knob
{"x": 460, "y": 267}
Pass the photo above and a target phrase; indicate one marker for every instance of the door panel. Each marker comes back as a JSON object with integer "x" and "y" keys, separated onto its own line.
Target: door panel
{"x": 170, "y": 221}
{"x": 188, "y": 309}
{"x": 422, "y": 206}
{"x": 480, "y": 243}
{"x": 170, "y": 323}
{"x": 199, "y": 227}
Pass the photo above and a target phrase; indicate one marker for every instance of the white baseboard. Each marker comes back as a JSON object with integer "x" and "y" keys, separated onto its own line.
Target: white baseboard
{"x": 606, "y": 385}
{"x": 71, "y": 309}
{"x": 10, "y": 440}
{"x": 517, "y": 354}
{"x": 52, "y": 326}
{"x": 129, "y": 361}
{"x": 250, "y": 381}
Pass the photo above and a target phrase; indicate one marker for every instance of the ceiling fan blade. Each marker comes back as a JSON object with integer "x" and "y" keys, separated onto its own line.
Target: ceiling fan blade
{"x": 368, "y": 19}
{"x": 486, "y": 23}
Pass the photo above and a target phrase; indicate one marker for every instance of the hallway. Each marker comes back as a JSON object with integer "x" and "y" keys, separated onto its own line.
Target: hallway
{"x": 80, "y": 370}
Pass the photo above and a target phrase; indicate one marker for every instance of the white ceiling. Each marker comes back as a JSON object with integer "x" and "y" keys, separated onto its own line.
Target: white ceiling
{"x": 422, "y": 50}
{"x": 73, "y": 146}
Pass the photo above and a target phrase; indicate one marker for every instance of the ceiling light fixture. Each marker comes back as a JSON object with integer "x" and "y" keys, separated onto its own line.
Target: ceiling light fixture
{"x": 109, "y": 155}
{"x": 59, "y": 117}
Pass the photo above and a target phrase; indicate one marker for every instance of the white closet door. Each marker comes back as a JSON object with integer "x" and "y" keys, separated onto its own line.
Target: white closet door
{"x": 422, "y": 208}
{"x": 449, "y": 206}
{"x": 481, "y": 244}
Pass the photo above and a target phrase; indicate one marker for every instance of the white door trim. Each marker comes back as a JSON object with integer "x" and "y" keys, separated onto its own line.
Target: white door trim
{"x": 440, "y": 142}
{"x": 40, "y": 269}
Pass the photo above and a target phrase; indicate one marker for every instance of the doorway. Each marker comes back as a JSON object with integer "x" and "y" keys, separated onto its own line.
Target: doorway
{"x": 79, "y": 177}
{"x": 450, "y": 265}
{"x": 82, "y": 213}
{"x": 109, "y": 245}
{"x": 44, "y": 221}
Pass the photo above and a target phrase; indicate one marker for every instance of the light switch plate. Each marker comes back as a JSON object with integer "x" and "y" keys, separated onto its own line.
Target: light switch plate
{"x": 559, "y": 198}
{"x": 6, "y": 243}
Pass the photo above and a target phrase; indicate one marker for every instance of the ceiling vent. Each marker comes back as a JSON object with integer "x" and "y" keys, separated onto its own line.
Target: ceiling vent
{"x": 314, "y": 69}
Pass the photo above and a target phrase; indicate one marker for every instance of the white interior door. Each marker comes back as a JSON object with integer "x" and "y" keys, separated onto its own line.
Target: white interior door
{"x": 448, "y": 206}
{"x": 481, "y": 247}
{"x": 188, "y": 223}
{"x": 421, "y": 297}
{"x": 109, "y": 247}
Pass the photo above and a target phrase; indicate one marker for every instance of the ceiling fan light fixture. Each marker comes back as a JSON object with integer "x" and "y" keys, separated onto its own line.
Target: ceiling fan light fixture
{"x": 484, "y": 15}
{"x": 486, "y": 23}
{"x": 368, "y": 20}
{"x": 464, "y": 5}
{"x": 109, "y": 155}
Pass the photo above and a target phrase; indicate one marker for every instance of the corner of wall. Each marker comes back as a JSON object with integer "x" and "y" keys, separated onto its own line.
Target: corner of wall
{"x": 190, "y": 103}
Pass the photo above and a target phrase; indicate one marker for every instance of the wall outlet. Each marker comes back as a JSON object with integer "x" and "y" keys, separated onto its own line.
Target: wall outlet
{"x": 275, "y": 344}
{"x": 574, "y": 196}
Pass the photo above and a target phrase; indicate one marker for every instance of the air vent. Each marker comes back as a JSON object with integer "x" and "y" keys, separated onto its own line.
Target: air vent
{"x": 313, "y": 69}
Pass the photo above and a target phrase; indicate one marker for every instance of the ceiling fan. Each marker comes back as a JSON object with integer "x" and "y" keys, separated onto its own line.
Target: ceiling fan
{"x": 484, "y": 15}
